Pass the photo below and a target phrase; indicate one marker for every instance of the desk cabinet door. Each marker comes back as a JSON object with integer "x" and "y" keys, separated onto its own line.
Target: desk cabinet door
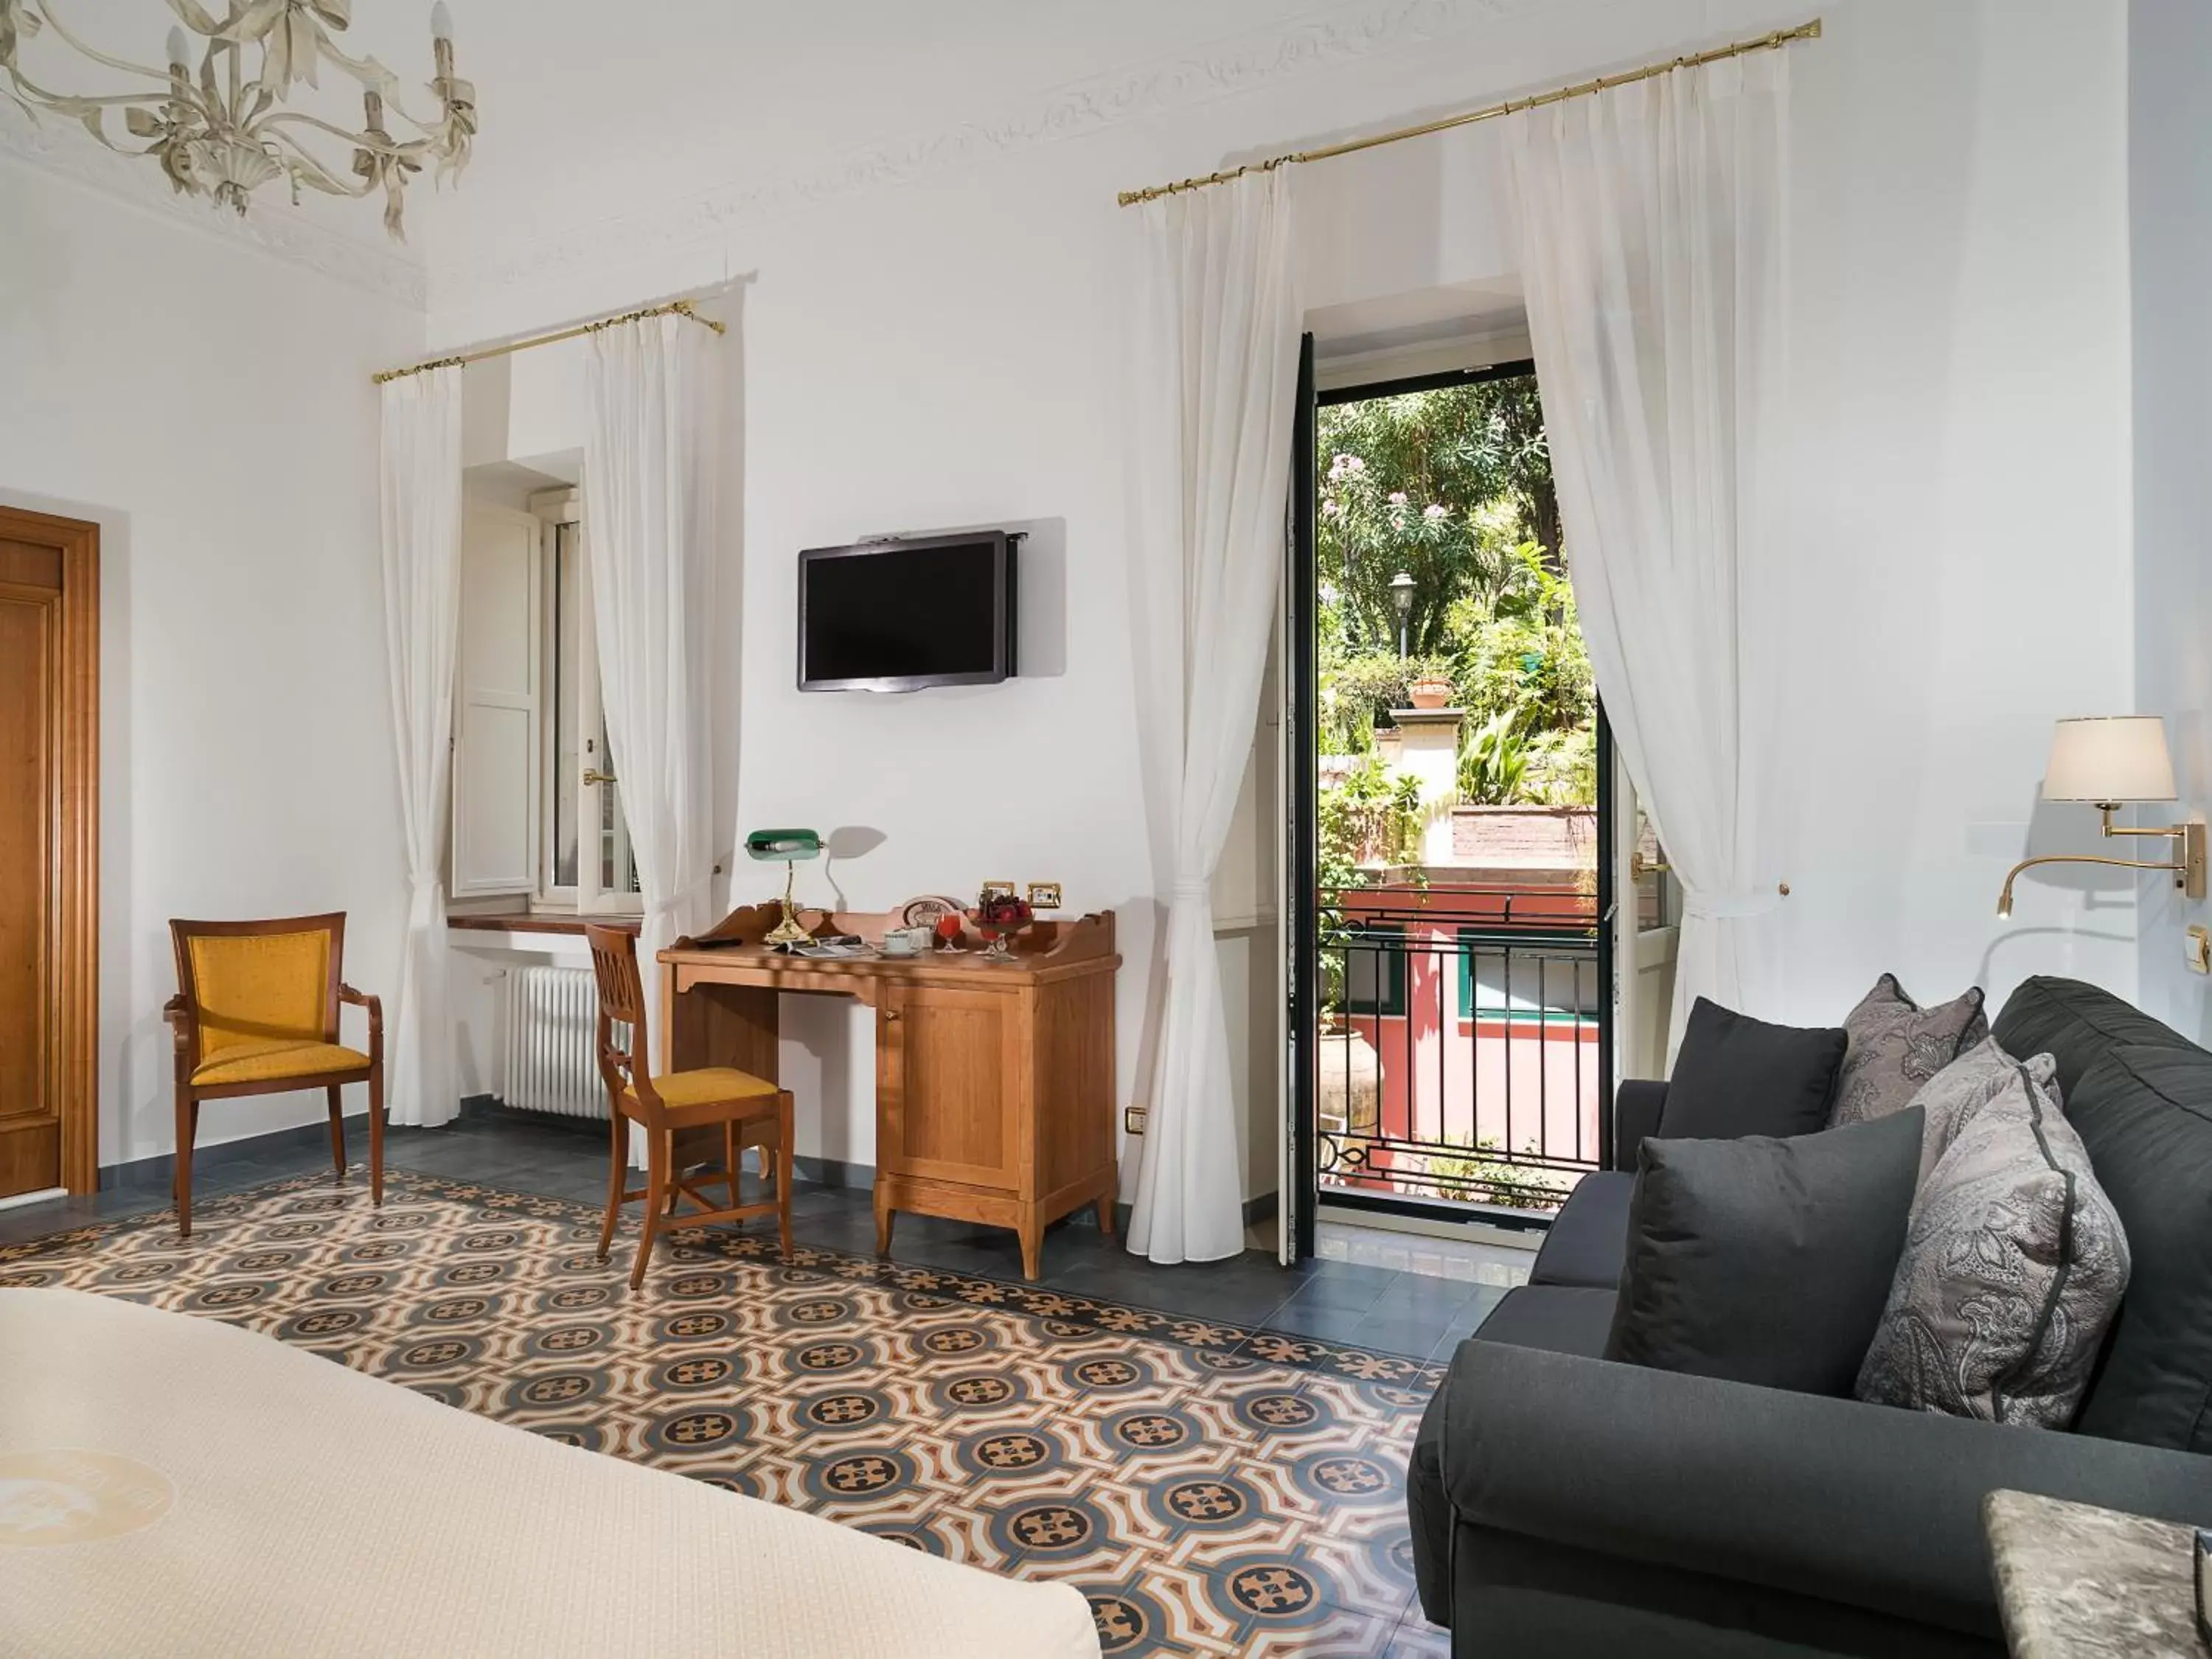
{"x": 948, "y": 1074}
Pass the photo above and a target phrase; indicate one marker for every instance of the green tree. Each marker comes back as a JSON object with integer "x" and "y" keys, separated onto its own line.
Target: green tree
{"x": 1454, "y": 487}
{"x": 1441, "y": 484}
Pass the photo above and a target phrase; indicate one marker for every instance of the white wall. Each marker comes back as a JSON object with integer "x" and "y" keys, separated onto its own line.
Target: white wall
{"x": 209, "y": 406}
{"x": 1962, "y": 376}
{"x": 943, "y": 351}
{"x": 2170, "y": 202}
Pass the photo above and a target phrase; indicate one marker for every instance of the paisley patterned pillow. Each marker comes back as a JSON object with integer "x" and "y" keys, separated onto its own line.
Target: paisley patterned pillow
{"x": 1896, "y": 1045}
{"x": 1961, "y": 1088}
{"x": 2015, "y": 1263}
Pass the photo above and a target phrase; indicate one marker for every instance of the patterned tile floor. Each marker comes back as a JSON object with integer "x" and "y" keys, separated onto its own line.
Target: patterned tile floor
{"x": 1394, "y": 1307}
{"x": 1212, "y": 1487}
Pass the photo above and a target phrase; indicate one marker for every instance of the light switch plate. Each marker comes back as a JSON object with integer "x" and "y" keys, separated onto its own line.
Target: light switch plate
{"x": 2197, "y": 945}
{"x": 1132, "y": 1119}
{"x": 1044, "y": 895}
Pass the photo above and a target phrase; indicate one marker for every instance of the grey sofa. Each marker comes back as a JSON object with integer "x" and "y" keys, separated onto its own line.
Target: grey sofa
{"x": 1561, "y": 1503}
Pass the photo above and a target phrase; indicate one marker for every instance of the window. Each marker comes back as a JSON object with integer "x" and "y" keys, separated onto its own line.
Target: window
{"x": 588, "y": 861}
{"x": 1658, "y": 895}
{"x": 1375, "y": 970}
{"x": 536, "y": 807}
{"x": 1502, "y": 981}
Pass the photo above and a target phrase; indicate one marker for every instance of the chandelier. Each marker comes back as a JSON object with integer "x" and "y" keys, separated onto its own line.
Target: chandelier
{"x": 221, "y": 133}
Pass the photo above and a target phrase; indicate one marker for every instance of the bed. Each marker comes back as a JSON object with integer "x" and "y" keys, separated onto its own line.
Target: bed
{"x": 176, "y": 1486}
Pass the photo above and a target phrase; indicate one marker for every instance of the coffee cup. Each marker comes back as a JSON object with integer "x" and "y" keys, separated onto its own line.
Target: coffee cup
{"x": 902, "y": 942}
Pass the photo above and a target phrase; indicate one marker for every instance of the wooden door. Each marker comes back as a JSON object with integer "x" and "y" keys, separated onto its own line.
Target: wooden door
{"x": 49, "y": 692}
{"x": 948, "y": 1067}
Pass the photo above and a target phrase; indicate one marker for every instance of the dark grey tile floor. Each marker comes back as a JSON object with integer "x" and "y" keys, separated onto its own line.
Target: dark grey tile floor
{"x": 1396, "y": 1312}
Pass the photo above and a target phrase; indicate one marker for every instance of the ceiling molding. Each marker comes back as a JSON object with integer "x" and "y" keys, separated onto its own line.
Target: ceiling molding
{"x": 1348, "y": 34}
{"x": 66, "y": 151}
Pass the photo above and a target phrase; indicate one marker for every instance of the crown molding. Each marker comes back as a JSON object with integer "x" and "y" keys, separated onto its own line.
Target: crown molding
{"x": 64, "y": 150}
{"x": 1346, "y": 35}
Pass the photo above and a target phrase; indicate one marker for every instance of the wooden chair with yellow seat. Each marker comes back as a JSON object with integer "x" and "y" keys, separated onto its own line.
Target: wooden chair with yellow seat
{"x": 750, "y": 1111}
{"x": 256, "y": 1012}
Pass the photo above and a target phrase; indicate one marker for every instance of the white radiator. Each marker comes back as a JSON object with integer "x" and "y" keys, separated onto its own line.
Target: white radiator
{"x": 552, "y": 1021}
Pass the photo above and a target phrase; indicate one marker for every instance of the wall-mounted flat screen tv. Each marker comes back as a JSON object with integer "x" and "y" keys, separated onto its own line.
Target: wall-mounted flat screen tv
{"x": 900, "y": 615}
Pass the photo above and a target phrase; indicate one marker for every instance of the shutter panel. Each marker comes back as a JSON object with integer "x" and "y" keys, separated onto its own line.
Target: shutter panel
{"x": 496, "y": 713}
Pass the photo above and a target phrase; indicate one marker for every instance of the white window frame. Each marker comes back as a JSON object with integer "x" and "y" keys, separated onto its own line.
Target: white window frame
{"x": 468, "y": 875}
{"x": 586, "y": 896}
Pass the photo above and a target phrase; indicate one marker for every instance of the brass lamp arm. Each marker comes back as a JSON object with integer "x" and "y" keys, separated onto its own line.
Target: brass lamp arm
{"x": 2085, "y": 857}
{"x": 2106, "y": 809}
{"x": 2004, "y": 898}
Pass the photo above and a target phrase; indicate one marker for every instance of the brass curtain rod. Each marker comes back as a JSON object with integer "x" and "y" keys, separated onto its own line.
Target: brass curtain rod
{"x": 673, "y": 308}
{"x": 1778, "y": 38}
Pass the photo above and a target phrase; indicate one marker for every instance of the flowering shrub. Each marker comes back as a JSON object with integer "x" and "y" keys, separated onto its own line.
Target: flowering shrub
{"x": 1453, "y": 488}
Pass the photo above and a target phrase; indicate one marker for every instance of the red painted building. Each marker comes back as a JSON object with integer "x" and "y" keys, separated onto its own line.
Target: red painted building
{"x": 1464, "y": 1019}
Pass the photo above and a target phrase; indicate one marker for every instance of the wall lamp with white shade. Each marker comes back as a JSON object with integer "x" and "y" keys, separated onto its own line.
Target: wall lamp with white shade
{"x": 2107, "y": 760}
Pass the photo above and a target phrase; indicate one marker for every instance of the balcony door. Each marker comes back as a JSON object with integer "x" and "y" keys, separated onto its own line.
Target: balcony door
{"x": 1451, "y": 809}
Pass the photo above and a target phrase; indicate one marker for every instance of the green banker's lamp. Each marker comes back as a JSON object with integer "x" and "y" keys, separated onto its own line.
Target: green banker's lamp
{"x": 790, "y": 846}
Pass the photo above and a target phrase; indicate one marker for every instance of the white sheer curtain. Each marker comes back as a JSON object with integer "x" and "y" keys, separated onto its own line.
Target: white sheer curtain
{"x": 648, "y": 489}
{"x": 1216, "y": 371}
{"x": 421, "y": 517}
{"x": 1653, "y": 222}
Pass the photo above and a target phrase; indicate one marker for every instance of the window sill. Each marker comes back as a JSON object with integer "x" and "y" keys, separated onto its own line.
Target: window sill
{"x": 524, "y": 922}
{"x": 1654, "y": 946}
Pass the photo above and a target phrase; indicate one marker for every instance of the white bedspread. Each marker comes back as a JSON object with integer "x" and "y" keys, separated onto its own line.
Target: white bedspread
{"x": 173, "y": 1485}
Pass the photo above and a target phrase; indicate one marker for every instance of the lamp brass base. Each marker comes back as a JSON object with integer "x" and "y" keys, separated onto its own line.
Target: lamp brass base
{"x": 788, "y": 931}
{"x": 2190, "y": 843}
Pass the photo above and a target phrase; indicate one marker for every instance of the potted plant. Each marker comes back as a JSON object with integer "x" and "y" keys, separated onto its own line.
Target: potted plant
{"x": 1429, "y": 691}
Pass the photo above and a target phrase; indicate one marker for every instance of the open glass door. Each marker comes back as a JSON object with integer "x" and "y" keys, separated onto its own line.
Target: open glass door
{"x": 1451, "y": 847}
{"x": 1300, "y": 917}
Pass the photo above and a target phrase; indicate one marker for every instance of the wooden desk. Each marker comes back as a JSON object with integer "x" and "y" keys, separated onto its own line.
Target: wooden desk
{"x": 995, "y": 1084}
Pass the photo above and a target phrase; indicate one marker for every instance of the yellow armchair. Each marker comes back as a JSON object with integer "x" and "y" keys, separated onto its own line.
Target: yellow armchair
{"x": 256, "y": 1012}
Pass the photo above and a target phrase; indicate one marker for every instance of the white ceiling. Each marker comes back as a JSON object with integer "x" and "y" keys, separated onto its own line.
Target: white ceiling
{"x": 591, "y": 109}
{"x": 592, "y": 113}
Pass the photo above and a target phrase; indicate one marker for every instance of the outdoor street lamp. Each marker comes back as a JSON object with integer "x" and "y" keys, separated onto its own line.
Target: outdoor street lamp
{"x": 1402, "y": 601}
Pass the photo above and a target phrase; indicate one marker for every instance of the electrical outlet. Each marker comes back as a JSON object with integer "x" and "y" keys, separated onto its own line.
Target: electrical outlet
{"x": 2198, "y": 944}
{"x": 1044, "y": 895}
{"x": 1133, "y": 1119}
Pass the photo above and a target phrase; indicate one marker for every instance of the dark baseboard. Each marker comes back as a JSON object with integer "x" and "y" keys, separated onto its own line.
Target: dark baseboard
{"x": 822, "y": 1172}
{"x": 1256, "y": 1210}
{"x": 835, "y": 1172}
{"x": 479, "y": 1110}
{"x": 157, "y": 1174}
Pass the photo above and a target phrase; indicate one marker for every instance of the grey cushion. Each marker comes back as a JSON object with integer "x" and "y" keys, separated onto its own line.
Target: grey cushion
{"x": 1954, "y": 1094}
{"x": 2145, "y": 1115}
{"x": 1558, "y": 1318}
{"x": 2012, "y": 1268}
{"x": 2077, "y": 1024}
{"x": 1896, "y": 1046}
{"x": 1637, "y": 1106}
{"x": 1764, "y": 1260}
{"x": 1734, "y": 1075}
{"x": 1429, "y": 1513}
{"x": 1589, "y": 1240}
